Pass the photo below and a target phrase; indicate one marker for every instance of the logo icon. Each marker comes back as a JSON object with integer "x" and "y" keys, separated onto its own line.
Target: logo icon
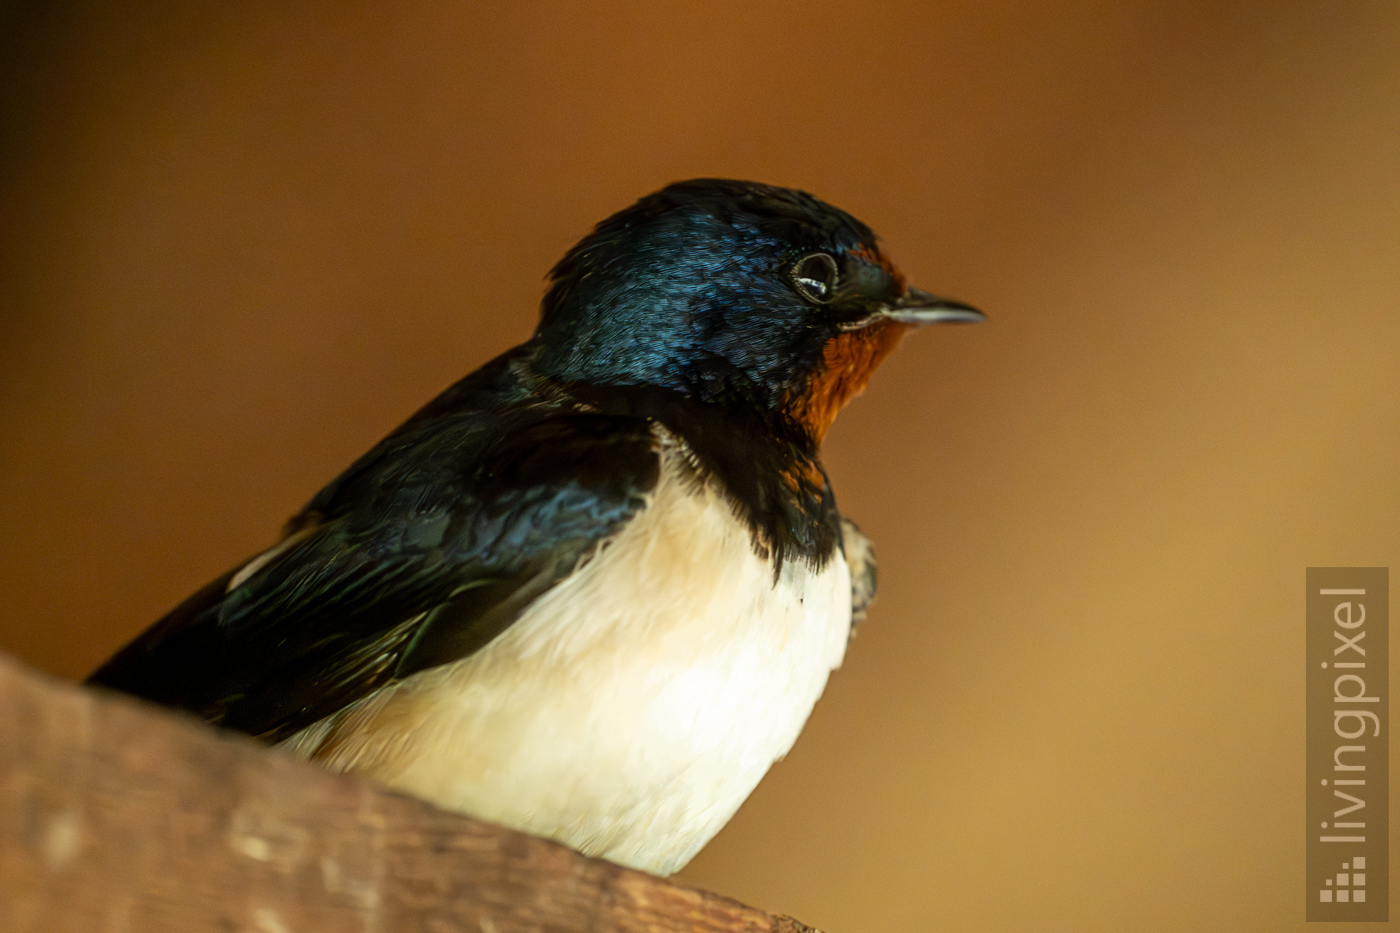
{"x": 1349, "y": 886}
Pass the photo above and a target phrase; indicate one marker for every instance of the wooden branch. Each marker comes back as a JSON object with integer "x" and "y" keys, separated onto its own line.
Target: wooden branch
{"x": 117, "y": 816}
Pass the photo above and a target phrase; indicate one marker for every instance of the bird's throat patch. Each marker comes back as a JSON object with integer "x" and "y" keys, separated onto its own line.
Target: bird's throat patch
{"x": 848, "y": 361}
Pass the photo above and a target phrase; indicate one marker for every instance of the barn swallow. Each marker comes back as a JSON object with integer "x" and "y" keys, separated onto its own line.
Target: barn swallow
{"x": 592, "y": 590}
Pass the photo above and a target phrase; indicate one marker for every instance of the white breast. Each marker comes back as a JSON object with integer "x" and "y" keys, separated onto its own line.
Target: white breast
{"x": 632, "y": 708}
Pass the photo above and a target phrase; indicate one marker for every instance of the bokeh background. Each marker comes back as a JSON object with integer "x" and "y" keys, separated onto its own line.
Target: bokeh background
{"x": 242, "y": 241}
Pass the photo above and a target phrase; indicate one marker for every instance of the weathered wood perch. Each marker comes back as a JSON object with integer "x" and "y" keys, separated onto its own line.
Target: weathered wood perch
{"x": 116, "y": 816}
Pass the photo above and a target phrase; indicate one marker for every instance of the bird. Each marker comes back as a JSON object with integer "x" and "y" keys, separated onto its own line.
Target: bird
{"x": 593, "y": 590}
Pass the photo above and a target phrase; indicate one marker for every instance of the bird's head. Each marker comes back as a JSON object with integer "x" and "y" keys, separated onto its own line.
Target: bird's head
{"x": 732, "y": 292}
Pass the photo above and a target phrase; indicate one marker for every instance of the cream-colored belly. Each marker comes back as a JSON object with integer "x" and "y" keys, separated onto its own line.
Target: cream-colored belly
{"x": 632, "y": 708}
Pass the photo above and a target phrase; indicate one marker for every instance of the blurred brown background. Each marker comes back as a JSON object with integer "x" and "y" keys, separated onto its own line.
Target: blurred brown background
{"x": 242, "y": 241}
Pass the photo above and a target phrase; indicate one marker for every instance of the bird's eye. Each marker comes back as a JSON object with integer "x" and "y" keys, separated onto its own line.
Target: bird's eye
{"x": 815, "y": 277}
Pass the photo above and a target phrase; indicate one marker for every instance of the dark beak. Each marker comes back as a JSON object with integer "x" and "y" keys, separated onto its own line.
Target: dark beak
{"x": 919, "y": 307}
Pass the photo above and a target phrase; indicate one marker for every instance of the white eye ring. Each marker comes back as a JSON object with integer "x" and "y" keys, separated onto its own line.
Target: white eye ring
{"x": 815, "y": 276}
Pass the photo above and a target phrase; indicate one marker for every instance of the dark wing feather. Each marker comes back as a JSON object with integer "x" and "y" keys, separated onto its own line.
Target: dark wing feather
{"x": 420, "y": 554}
